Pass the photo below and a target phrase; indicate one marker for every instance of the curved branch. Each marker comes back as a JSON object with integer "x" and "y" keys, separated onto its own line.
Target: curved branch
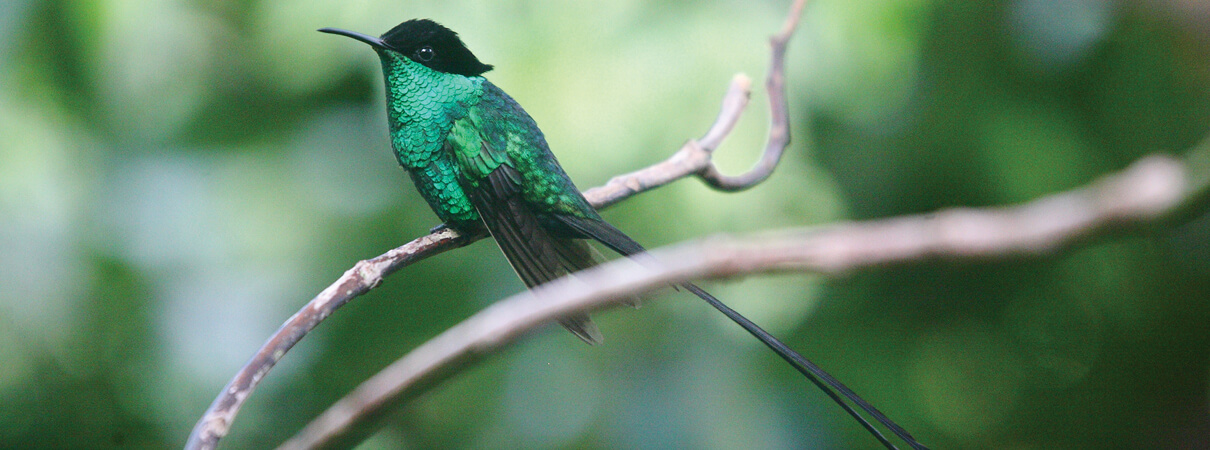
{"x": 363, "y": 276}
{"x": 1152, "y": 190}
{"x": 779, "y": 118}
{"x": 694, "y": 158}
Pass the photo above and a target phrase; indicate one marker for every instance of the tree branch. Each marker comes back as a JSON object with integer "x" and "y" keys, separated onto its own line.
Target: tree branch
{"x": 1155, "y": 189}
{"x": 779, "y": 118}
{"x": 693, "y": 159}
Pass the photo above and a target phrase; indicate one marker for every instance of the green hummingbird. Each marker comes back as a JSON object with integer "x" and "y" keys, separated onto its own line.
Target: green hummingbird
{"x": 481, "y": 162}
{"x": 479, "y": 159}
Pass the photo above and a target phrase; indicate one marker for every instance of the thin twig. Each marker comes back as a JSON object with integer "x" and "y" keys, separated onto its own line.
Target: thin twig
{"x": 694, "y": 158}
{"x": 779, "y": 117}
{"x": 1149, "y": 191}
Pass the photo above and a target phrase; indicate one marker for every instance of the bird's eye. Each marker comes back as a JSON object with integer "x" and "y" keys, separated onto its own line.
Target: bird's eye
{"x": 425, "y": 53}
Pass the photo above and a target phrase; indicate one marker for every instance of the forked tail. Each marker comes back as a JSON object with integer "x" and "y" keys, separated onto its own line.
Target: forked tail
{"x": 826, "y": 382}
{"x": 613, "y": 238}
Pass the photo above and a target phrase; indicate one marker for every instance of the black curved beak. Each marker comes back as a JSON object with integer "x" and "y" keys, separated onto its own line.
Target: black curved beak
{"x": 373, "y": 41}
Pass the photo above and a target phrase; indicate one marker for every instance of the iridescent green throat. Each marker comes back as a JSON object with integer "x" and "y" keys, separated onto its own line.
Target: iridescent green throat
{"x": 422, "y": 105}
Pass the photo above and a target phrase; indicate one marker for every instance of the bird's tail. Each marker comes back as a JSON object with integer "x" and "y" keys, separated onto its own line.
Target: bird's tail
{"x": 613, "y": 238}
{"x": 825, "y": 381}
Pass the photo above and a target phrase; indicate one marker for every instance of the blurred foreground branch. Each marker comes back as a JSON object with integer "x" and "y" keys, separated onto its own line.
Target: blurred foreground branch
{"x": 1152, "y": 190}
{"x": 693, "y": 159}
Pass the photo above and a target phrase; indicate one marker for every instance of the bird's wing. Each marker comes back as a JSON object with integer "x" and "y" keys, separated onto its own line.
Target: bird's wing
{"x": 499, "y": 133}
{"x": 536, "y": 255}
{"x": 481, "y": 144}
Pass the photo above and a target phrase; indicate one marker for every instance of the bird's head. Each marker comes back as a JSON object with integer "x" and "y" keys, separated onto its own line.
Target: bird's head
{"x": 424, "y": 42}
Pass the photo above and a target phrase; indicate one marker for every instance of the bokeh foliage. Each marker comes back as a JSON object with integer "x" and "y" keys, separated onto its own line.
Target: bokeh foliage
{"x": 177, "y": 177}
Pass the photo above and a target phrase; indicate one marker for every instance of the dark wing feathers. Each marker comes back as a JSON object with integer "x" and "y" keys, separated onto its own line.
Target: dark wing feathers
{"x": 534, "y": 254}
{"x": 602, "y": 232}
{"x": 494, "y": 143}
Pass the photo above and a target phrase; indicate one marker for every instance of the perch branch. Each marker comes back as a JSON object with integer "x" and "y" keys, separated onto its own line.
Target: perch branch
{"x": 694, "y": 158}
{"x": 1150, "y": 191}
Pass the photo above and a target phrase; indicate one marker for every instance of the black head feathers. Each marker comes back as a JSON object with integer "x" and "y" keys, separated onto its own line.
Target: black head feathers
{"x": 434, "y": 46}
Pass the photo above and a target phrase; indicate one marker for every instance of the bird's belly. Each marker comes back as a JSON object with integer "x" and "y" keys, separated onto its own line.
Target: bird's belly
{"x": 438, "y": 185}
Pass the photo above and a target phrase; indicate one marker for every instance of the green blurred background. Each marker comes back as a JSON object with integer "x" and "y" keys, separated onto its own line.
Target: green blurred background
{"x": 177, "y": 177}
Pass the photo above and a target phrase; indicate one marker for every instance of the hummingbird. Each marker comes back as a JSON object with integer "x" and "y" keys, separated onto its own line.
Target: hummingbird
{"x": 481, "y": 163}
